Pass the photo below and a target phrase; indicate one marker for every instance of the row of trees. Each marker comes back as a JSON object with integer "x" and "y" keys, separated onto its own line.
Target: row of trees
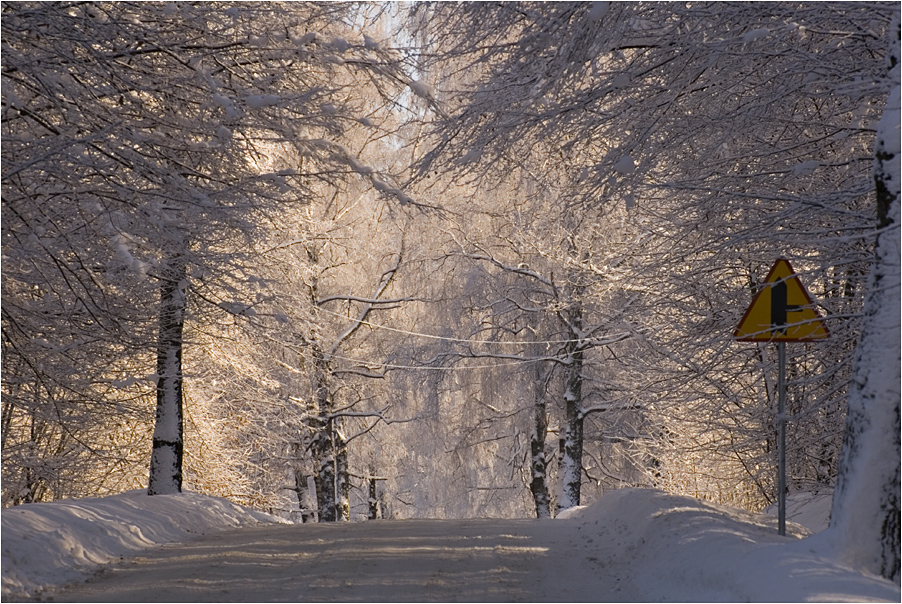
{"x": 198, "y": 205}
{"x": 729, "y": 135}
{"x": 139, "y": 179}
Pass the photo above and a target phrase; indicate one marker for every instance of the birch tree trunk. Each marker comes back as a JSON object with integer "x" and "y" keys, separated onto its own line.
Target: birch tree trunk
{"x": 572, "y": 462}
{"x": 372, "y": 500}
{"x": 321, "y": 447}
{"x": 865, "y": 517}
{"x": 168, "y": 442}
{"x": 342, "y": 473}
{"x": 325, "y": 476}
{"x": 538, "y": 465}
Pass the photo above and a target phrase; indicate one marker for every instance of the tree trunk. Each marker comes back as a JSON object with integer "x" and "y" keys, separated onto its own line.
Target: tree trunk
{"x": 322, "y": 447}
{"x": 342, "y": 474}
{"x": 372, "y": 500}
{"x": 865, "y": 520}
{"x": 168, "y": 445}
{"x": 325, "y": 475}
{"x": 538, "y": 466}
{"x": 572, "y": 463}
{"x": 302, "y": 491}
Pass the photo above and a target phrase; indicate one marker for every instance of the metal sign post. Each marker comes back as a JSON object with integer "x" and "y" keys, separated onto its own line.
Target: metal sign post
{"x": 767, "y": 320}
{"x": 781, "y": 439}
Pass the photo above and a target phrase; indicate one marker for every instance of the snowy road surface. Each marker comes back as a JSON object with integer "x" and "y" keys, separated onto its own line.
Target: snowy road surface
{"x": 631, "y": 545}
{"x": 390, "y": 561}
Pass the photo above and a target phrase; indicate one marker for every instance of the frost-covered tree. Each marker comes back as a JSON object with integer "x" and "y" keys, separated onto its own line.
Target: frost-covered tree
{"x": 732, "y": 134}
{"x": 566, "y": 318}
{"x": 133, "y": 188}
{"x": 305, "y": 371}
{"x": 865, "y": 516}
{"x": 529, "y": 315}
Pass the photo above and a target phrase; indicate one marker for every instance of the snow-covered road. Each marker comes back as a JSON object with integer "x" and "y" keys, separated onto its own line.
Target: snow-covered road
{"x": 631, "y": 545}
{"x": 398, "y": 561}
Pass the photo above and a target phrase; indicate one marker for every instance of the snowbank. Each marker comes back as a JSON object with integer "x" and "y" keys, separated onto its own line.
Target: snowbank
{"x": 811, "y": 510}
{"x": 683, "y": 549}
{"x": 51, "y": 544}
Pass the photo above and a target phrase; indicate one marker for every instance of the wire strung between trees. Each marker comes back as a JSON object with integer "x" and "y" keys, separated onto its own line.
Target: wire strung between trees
{"x": 447, "y": 339}
{"x": 434, "y": 368}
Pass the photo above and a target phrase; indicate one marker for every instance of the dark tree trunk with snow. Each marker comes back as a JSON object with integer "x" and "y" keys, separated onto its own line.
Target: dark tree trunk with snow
{"x": 321, "y": 446}
{"x": 329, "y": 450}
{"x": 372, "y": 500}
{"x": 572, "y": 462}
{"x": 325, "y": 474}
{"x": 333, "y": 485}
{"x": 538, "y": 465}
{"x": 865, "y": 519}
{"x": 168, "y": 441}
{"x": 342, "y": 474}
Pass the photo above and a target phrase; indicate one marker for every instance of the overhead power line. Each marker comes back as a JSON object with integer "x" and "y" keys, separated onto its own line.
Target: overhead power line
{"x": 448, "y": 339}
{"x": 435, "y": 368}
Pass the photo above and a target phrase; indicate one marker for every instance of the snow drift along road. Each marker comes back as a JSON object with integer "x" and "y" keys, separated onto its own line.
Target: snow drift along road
{"x": 47, "y": 544}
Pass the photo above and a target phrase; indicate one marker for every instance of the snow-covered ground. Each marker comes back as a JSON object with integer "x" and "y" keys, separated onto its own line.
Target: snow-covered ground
{"x": 811, "y": 510}
{"x": 632, "y": 545}
{"x": 51, "y": 544}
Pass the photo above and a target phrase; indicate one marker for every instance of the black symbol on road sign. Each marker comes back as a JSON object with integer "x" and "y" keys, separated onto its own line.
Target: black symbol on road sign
{"x": 779, "y": 308}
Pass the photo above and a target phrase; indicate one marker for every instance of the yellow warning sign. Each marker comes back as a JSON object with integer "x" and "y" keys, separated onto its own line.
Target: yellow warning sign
{"x": 782, "y": 311}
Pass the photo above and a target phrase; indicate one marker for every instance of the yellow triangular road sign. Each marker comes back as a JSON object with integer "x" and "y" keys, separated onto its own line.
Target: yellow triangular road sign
{"x": 782, "y": 311}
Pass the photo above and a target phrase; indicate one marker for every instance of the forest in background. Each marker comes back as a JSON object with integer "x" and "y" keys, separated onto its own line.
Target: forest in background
{"x": 346, "y": 261}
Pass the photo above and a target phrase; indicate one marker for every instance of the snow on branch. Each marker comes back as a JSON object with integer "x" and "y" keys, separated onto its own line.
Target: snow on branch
{"x": 344, "y": 155}
{"x": 351, "y": 298}
{"x": 520, "y": 269}
{"x": 379, "y": 418}
{"x": 610, "y": 407}
{"x": 384, "y": 282}
{"x": 361, "y": 372}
